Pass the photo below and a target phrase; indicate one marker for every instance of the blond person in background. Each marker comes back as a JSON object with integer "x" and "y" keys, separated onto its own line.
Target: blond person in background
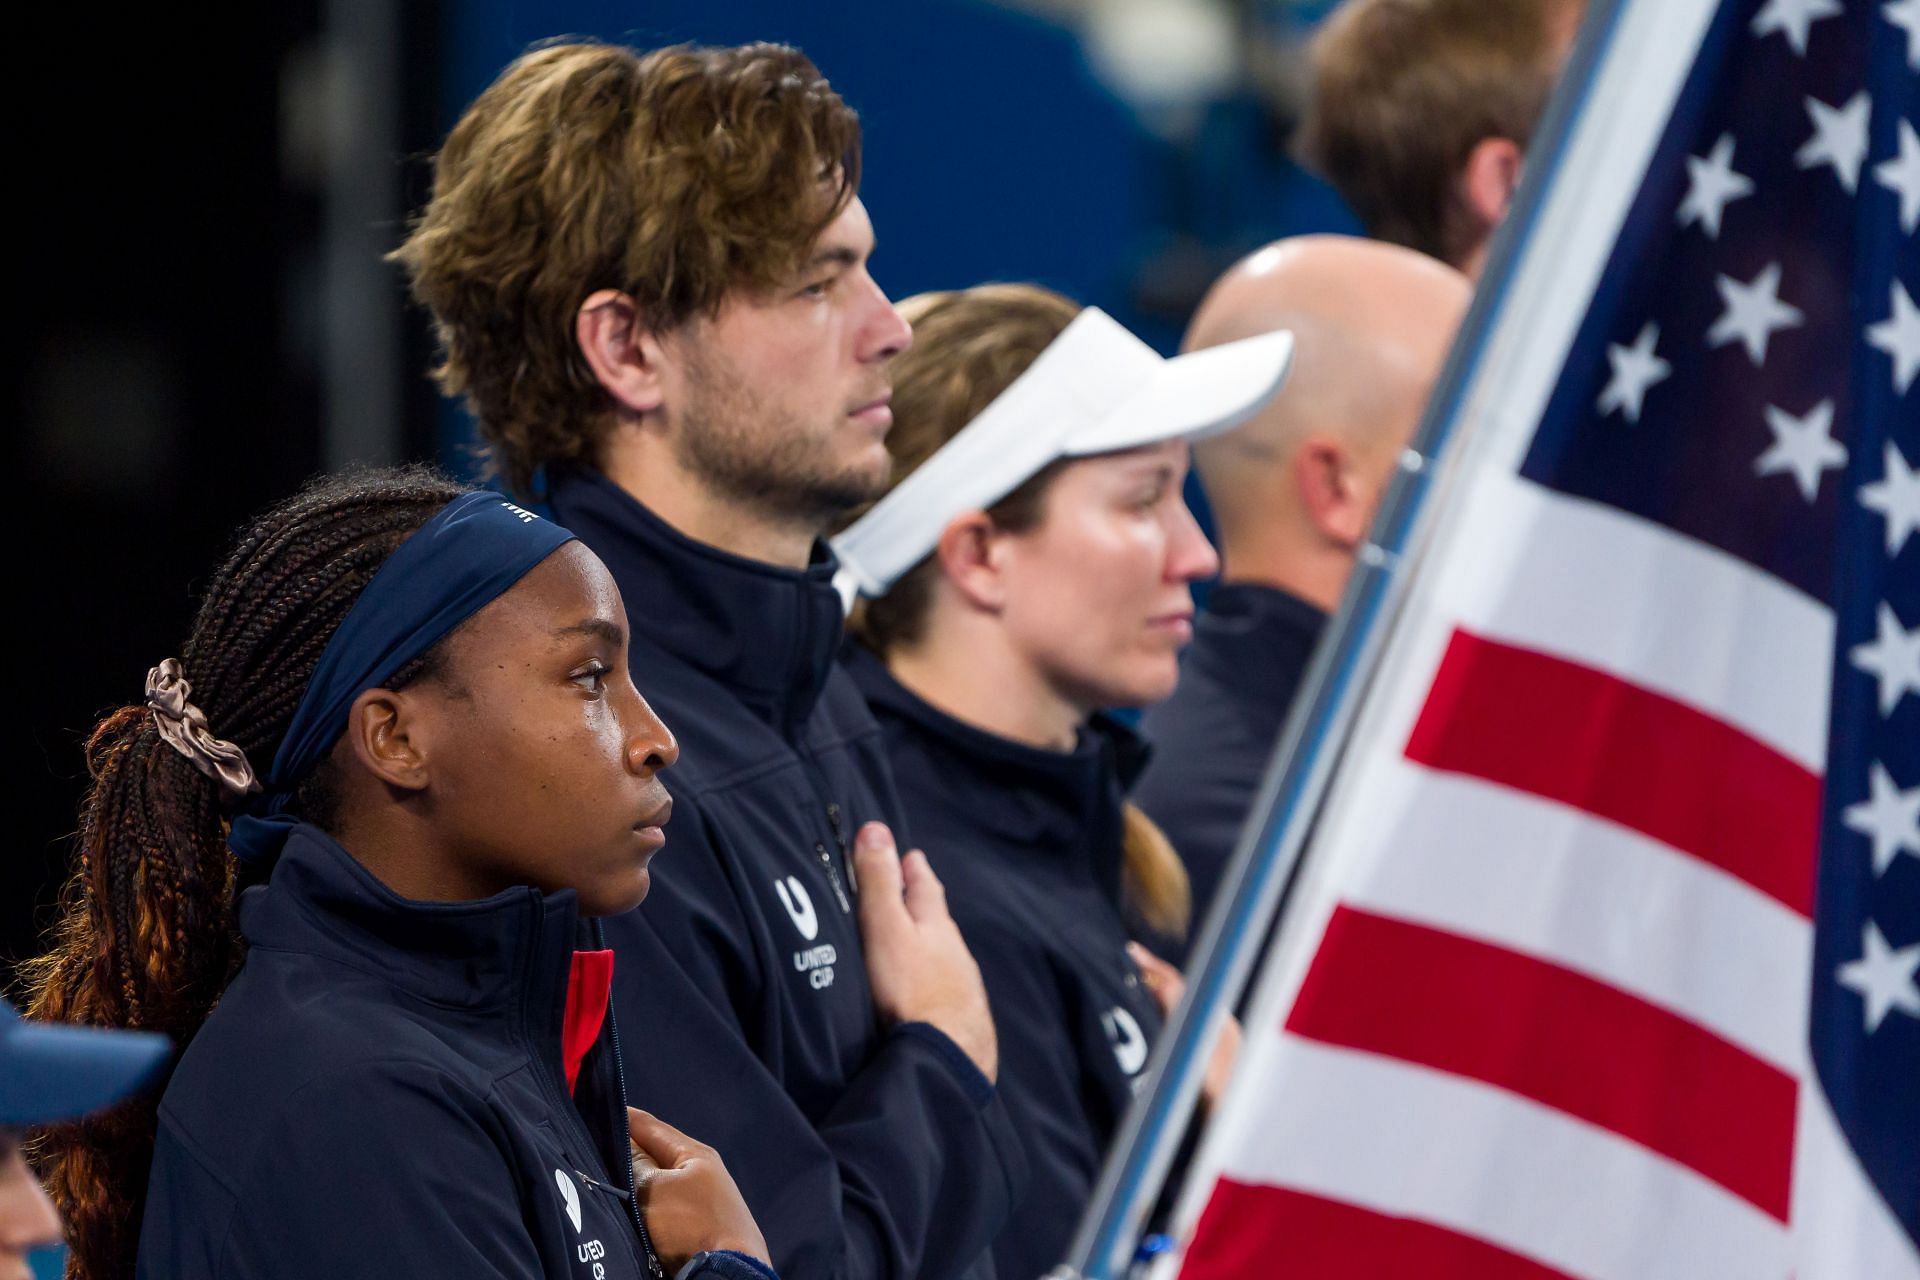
{"x": 1029, "y": 567}
{"x": 1293, "y": 493}
{"x": 1422, "y": 110}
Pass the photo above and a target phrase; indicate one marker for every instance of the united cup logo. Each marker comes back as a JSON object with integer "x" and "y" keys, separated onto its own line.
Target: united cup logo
{"x": 569, "y": 1195}
{"x": 793, "y": 896}
{"x": 1129, "y": 1042}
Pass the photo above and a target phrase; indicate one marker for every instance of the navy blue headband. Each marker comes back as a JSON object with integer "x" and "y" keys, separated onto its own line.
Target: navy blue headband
{"x": 468, "y": 554}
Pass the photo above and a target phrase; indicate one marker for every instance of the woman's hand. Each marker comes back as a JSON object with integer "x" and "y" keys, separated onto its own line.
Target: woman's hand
{"x": 917, "y": 963}
{"x": 1165, "y": 984}
{"x": 687, "y": 1196}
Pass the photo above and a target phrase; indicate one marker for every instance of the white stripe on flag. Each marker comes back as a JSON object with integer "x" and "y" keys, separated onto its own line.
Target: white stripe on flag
{"x": 1620, "y": 594}
{"x": 1591, "y": 896}
{"x": 1417, "y": 1143}
{"x": 1842, "y": 1228}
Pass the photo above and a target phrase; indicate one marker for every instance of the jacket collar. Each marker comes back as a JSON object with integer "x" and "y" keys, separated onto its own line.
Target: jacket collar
{"x": 1257, "y": 637}
{"x": 513, "y": 947}
{"x": 767, "y": 633}
{"x": 1064, "y": 803}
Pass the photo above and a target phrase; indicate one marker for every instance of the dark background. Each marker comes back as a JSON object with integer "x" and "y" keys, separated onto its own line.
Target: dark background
{"x": 203, "y": 320}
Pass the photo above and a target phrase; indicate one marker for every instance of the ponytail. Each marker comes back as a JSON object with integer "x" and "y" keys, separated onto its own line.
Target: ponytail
{"x": 1153, "y": 878}
{"x": 145, "y": 940}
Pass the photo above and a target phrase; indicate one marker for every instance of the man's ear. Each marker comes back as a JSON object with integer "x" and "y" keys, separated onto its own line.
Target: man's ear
{"x": 970, "y": 551}
{"x": 624, "y": 355}
{"x": 386, "y": 735}
{"x": 1488, "y": 180}
{"x": 1326, "y": 475}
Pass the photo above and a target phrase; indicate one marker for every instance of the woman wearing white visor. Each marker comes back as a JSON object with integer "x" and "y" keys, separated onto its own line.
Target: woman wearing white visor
{"x": 1030, "y": 566}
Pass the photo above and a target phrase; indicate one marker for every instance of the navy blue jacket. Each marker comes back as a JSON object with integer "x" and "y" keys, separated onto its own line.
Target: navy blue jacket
{"x": 1028, "y": 844}
{"x": 863, "y": 1151}
{"x": 380, "y": 1093}
{"x": 1213, "y": 738}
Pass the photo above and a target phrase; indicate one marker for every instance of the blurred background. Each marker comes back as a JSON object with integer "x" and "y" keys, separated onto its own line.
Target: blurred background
{"x": 207, "y": 319}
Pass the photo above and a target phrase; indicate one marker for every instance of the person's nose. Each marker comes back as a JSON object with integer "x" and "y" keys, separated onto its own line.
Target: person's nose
{"x": 885, "y": 333}
{"x": 1190, "y": 555}
{"x": 27, "y": 1217}
{"x": 651, "y": 746}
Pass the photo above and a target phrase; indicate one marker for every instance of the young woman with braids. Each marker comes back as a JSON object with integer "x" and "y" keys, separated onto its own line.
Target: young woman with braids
{"x": 406, "y": 708}
{"x": 1030, "y": 566}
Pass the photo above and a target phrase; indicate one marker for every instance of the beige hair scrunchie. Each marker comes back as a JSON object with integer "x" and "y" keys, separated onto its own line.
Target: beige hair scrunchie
{"x": 184, "y": 728}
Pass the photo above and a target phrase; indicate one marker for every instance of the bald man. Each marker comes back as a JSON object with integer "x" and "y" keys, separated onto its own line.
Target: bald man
{"x": 1293, "y": 493}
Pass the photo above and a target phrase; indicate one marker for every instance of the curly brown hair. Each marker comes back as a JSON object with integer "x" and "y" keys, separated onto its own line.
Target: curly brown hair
{"x": 146, "y": 936}
{"x": 1403, "y": 91}
{"x": 675, "y": 177}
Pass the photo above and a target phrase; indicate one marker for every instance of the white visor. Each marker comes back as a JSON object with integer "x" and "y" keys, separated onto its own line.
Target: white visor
{"x": 1095, "y": 389}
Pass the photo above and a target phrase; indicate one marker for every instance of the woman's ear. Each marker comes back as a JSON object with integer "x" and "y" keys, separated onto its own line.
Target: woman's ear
{"x": 970, "y": 552}
{"x": 387, "y": 735}
{"x": 624, "y": 355}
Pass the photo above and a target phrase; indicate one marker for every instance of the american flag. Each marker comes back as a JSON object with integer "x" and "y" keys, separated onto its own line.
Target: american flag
{"x": 1605, "y": 961}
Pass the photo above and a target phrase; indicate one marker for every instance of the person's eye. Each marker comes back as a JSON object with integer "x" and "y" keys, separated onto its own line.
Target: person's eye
{"x": 592, "y": 677}
{"x": 817, "y": 289}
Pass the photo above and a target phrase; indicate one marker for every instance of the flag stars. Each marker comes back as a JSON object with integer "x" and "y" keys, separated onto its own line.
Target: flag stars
{"x": 1795, "y": 18}
{"x": 1839, "y": 138}
{"x": 1889, "y": 817}
{"x": 1883, "y": 977}
{"x": 1899, "y": 336}
{"x": 1753, "y": 313}
{"x": 1905, "y": 14}
{"x": 1803, "y": 447}
{"x": 1635, "y": 369}
{"x": 1896, "y": 496}
{"x": 1711, "y": 185}
{"x": 1893, "y": 659}
{"x": 1901, "y": 175}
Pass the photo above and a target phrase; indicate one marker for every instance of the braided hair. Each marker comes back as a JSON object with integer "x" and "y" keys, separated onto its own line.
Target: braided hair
{"x": 146, "y": 936}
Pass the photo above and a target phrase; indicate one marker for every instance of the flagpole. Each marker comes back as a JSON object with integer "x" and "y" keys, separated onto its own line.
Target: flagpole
{"x": 1265, "y": 866}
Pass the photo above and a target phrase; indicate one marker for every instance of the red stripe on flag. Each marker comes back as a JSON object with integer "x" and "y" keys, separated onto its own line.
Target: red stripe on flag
{"x": 1558, "y": 1037}
{"x": 1565, "y": 732}
{"x": 1251, "y": 1230}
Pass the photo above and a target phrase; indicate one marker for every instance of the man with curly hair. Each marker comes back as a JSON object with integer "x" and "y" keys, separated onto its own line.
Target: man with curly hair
{"x": 649, "y": 277}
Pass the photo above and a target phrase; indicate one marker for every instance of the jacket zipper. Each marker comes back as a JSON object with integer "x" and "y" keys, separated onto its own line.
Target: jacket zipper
{"x": 654, "y": 1266}
{"x": 557, "y": 1097}
{"x": 814, "y": 776}
{"x": 834, "y": 824}
{"x": 839, "y": 835}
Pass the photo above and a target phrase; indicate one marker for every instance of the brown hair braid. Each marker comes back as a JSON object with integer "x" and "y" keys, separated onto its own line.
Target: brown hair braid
{"x": 145, "y": 936}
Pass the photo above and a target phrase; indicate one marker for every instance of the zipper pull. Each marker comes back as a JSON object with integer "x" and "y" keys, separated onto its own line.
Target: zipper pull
{"x": 840, "y": 838}
{"x": 833, "y": 877}
{"x": 654, "y": 1266}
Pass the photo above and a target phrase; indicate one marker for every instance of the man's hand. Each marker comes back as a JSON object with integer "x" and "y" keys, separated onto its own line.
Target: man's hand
{"x": 687, "y": 1196}
{"x": 917, "y": 963}
{"x": 1166, "y": 985}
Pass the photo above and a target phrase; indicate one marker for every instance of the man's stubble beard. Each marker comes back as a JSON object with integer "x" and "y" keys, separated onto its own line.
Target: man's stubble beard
{"x": 768, "y": 458}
